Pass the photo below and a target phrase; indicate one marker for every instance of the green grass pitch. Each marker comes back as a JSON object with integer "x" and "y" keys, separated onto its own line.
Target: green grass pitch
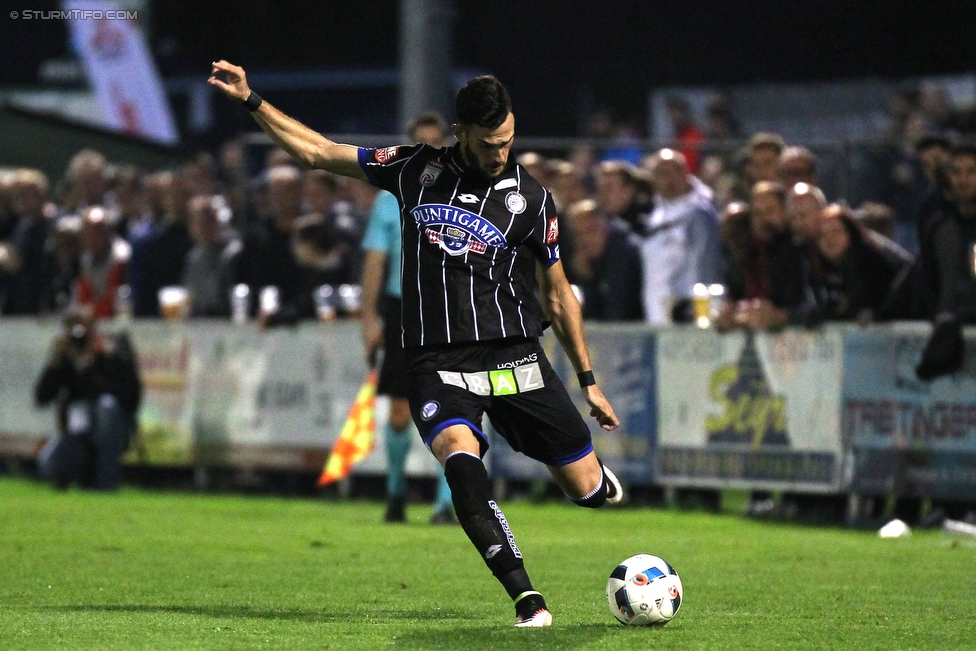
{"x": 157, "y": 570}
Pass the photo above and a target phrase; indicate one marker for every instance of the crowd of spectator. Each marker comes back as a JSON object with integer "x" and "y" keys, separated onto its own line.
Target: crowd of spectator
{"x": 640, "y": 229}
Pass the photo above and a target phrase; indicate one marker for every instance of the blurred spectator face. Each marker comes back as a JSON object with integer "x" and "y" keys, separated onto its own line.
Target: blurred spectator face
{"x": 204, "y": 220}
{"x": 834, "y": 240}
{"x": 933, "y": 158}
{"x": 429, "y": 134}
{"x": 362, "y": 194}
{"x": 320, "y": 190}
{"x": 670, "y": 174}
{"x": 763, "y": 164}
{"x": 30, "y": 190}
{"x": 200, "y": 175}
{"x": 590, "y": 230}
{"x": 769, "y": 211}
{"x": 567, "y": 184}
{"x": 231, "y": 157}
{"x": 176, "y": 199}
{"x": 962, "y": 173}
{"x": 156, "y": 187}
{"x": 803, "y": 209}
{"x": 87, "y": 168}
{"x": 284, "y": 193}
{"x": 798, "y": 165}
{"x": 613, "y": 192}
{"x": 96, "y": 233}
{"x": 129, "y": 193}
{"x": 537, "y": 167}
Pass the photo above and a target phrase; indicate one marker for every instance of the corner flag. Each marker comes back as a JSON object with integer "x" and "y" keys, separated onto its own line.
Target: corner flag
{"x": 356, "y": 440}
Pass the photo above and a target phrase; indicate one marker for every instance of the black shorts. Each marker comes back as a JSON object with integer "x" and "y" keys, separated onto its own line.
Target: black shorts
{"x": 510, "y": 380}
{"x": 393, "y": 375}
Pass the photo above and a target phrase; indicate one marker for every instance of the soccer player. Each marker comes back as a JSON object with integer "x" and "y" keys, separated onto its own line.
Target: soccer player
{"x": 479, "y": 235}
{"x": 381, "y": 330}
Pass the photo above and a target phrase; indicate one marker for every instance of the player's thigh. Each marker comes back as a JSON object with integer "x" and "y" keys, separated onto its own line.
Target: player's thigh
{"x": 439, "y": 408}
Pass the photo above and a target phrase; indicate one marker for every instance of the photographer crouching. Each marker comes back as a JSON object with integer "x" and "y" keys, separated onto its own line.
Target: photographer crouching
{"x": 94, "y": 379}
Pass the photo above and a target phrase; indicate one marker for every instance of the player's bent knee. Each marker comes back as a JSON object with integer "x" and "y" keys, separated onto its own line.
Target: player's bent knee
{"x": 456, "y": 438}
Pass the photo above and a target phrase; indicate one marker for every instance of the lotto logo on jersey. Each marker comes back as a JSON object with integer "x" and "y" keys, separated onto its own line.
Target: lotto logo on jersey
{"x": 552, "y": 231}
{"x": 386, "y": 154}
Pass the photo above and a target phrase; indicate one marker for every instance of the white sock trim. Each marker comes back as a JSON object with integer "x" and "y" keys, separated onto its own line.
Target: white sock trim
{"x": 470, "y": 454}
{"x": 603, "y": 481}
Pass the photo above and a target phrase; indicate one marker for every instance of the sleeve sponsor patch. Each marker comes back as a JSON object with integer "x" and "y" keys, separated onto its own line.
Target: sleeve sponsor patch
{"x": 552, "y": 230}
{"x": 386, "y": 154}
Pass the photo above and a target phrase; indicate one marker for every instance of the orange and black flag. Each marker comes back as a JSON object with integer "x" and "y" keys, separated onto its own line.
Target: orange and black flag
{"x": 357, "y": 438}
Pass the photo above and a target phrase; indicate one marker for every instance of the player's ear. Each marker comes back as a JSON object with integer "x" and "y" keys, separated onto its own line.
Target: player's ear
{"x": 457, "y": 131}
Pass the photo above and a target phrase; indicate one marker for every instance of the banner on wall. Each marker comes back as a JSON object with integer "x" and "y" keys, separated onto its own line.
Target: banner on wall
{"x": 908, "y": 437}
{"x": 744, "y": 410}
{"x": 623, "y": 363}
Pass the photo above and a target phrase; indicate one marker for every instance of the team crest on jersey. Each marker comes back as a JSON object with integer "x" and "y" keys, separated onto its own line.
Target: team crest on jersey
{"x": 552, "y": 230}
{"x": 386, "y": 154}
{"x": 432, "y": 170}
{"x": 456, "y": 230}
{"x": 515, "y": 203}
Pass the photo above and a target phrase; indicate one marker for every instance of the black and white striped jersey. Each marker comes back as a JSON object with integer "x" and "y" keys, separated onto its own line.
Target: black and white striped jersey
{"x": 470, "y": 244}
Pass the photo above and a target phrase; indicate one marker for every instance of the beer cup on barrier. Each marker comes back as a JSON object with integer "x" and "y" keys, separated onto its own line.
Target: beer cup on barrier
{"x": 349, "y": 299}
{"x": 325, "y": 298}
{"x": 269, "y": 302}
{"x": 240, "y": 303}
{"x": 701, "y": 305}
{"x": 174, "y": 303}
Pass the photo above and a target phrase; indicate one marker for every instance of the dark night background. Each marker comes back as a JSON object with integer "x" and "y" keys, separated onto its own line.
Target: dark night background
{"x": 553, "y": 55}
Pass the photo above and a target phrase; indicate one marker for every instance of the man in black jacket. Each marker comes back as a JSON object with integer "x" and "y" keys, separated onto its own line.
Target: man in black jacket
{"x": 95, "y": 382}
{"x": 950, "y": 249}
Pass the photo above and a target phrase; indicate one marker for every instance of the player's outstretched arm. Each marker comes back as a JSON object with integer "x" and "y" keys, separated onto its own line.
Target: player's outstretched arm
{"x": 307, "y": 146}
{"x": 562, "y": 308}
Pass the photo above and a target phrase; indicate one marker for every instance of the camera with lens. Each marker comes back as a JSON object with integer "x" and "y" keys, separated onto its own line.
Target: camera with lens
{"x": 79, "y": 336}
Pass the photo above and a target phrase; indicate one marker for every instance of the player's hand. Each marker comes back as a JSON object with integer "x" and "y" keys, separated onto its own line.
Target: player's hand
{"x": 236, "y": 85}
{"x": 600, "y": 408}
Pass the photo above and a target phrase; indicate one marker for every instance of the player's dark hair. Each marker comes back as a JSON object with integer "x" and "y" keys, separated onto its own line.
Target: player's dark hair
{"x": 965, "y": 148}
{"x": 482, "y": 102}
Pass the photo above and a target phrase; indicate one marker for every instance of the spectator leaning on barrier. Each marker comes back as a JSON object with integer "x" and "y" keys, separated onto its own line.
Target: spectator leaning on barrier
{"x": 103, "y": 262}
{"x": 208, "y": 269}
{"x": 605, "y": 264}
{"x": 804, "y": 205}
{"x": 95, "y": 382}
{"x": 952, "y": 252}
{"x": 766, "y": 273}
{"x": 267, "y": 258}
{"x": 762, "y": 163}
{"x": 166, "y": 249}
{"x": 854, "y": 271}
{"x": 680, "y": 245}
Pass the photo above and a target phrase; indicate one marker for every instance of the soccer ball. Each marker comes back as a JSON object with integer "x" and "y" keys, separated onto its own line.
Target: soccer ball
{"x": 644, "y": 590}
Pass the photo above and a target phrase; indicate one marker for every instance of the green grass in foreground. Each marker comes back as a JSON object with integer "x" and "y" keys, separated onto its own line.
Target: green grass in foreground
{"x": 144, "y": 570}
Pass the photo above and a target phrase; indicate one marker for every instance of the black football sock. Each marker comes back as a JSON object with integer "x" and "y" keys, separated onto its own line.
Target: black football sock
{"x": 484, "y": 523}
{"x": 598, "y": 496}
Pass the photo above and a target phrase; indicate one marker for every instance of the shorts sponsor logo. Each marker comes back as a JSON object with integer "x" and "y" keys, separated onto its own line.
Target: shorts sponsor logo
{"x": 386, "y": 154}
{"x": 430, "y": 409}
{"x": 456, "y": 230}
{"x": 502, "y": 382}
{"x": 525, "y": 360}
{"x": 552, "y": 231}
{"x": 478, "y": 383}
{"x": 515, "y": 203}
{"x": 431, "y": 171}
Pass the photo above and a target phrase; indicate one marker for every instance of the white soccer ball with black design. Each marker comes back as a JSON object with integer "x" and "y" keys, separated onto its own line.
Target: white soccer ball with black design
{"x": 644, "y": 590}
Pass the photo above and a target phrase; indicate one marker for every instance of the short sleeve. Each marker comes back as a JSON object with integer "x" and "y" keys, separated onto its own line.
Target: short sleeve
{"x": 384, "y": 224}
{"x": 382, "y": 165}
{"x": 544, "y": 239}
